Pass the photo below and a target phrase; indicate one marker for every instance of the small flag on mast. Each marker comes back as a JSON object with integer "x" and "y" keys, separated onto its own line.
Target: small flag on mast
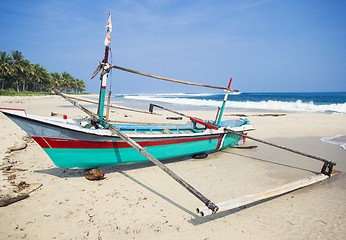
{"x": 109, "y": 23}
{"x": 109, "y": 30}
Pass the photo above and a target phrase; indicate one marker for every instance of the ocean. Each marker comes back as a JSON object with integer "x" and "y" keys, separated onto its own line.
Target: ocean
{"x": 320, "y": 102}
{"x": 323, "y": 102}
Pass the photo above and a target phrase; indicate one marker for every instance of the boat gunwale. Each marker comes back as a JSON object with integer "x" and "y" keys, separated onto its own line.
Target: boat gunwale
{"x": 74, "y": 126}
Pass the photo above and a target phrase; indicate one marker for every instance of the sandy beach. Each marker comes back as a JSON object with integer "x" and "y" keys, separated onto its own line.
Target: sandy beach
{"x": 140, "y": 201}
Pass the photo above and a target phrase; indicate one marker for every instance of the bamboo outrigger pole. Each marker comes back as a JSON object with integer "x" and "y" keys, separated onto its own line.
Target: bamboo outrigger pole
{"x": 326, "y": 169}
{"x": 161, "y": 78}
{"x": 327, "y": 164}
{"x": 209, "y": 205}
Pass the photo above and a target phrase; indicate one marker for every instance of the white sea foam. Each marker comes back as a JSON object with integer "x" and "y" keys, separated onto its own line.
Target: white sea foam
{"x": 339, "y": 140}
{"x": 184, "y": 94}
{"x": 297, "y": 106}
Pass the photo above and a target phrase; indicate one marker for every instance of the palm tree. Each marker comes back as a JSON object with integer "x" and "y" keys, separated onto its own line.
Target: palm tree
{"x": 66, "y": 81}
{"x": 17, "y": 72}
{"x": 28, "y": 73}
{"x": 45, "y": 79}
{"x": 36, "y": 77}
{"x": 19, "y": 65}
{"x": 55, "y": 80}
{"x": 5, "y": 67}
{"x": 40, "y": 77}
{"x": 80, "y": 85}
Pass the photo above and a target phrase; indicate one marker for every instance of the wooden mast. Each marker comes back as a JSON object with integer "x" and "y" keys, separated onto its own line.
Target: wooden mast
{"x": 102, "y": 94}
{"x": 104, "y": 73}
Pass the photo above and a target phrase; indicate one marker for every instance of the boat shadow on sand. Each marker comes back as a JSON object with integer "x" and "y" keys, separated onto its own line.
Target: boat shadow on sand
{"x": 196, "y": 219}
{"x": 75, "y": 173}
{"x": 71, "y": 173}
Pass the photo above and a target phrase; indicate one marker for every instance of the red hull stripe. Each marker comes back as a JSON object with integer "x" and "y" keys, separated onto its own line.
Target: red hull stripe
{"x": 219, "y": 142}
{"x": 15, "y": 109}
{"x": 70, "y": 143}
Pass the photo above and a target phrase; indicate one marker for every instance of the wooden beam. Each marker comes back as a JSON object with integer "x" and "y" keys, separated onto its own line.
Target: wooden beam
{"x": 251, "y": 198}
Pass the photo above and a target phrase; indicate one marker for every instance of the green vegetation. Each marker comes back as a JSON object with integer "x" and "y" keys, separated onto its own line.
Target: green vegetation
{"x": 19, "y": 76}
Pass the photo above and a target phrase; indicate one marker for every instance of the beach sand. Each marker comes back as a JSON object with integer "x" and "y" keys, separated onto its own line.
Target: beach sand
{"x": 140, "y": 201}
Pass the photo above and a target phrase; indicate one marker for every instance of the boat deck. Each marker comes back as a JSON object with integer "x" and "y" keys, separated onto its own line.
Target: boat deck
{"x": 188, "y": 128}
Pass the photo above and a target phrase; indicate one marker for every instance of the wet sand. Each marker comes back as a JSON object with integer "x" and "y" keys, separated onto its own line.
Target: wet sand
{"x": 139, "y": 201}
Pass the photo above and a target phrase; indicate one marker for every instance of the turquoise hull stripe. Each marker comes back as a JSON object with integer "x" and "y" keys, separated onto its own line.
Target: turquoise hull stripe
{"x": 91, "y": 158}
{"x": 102, "y": 104}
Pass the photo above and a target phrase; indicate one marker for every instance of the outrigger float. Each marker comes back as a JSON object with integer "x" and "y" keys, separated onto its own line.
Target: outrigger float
{"x": 95, "y": 142}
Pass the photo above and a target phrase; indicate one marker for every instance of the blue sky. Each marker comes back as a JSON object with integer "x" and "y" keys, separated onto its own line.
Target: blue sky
{"x": 265, "y": 45}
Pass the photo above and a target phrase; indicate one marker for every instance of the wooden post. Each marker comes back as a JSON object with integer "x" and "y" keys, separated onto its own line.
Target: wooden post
{"x": 108, "y": 102}
{"x": 217, "y": 114}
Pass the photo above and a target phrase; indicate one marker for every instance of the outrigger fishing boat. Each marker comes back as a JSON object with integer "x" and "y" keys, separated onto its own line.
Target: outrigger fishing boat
{"x": 95, "y": 142}
{"x": 76, "y": 143}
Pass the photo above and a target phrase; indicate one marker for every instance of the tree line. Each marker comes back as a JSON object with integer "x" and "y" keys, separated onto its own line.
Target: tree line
{"x": 19, "y": 74}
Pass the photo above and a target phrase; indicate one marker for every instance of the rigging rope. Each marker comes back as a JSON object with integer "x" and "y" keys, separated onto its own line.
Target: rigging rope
{"x": 110, "y": 74}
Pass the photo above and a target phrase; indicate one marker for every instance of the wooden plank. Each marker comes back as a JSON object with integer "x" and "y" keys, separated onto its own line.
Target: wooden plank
{"x": 251, "y": 198}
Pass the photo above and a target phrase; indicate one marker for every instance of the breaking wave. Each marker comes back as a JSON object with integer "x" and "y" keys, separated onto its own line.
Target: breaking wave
{"x": 294, "y": 106}
{"x": 338, "y": 140}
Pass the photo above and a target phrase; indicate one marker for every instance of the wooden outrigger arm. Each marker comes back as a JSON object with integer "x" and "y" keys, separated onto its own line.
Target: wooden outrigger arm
{"x": 326, "y": 172}
{"x": 210, "y": 205}
{"x": 327, "y": 164}
{"x": 157, "y": 77}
